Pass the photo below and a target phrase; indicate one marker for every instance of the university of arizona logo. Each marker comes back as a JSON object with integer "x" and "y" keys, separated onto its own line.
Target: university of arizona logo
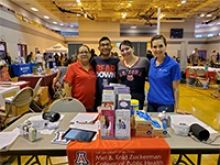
{"x": 81, "y": 158}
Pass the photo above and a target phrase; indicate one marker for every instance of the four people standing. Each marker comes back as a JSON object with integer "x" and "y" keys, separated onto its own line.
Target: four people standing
{"x": 85, "y": 82}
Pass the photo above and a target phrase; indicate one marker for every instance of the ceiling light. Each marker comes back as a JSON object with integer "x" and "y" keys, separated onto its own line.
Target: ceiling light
{"x": 34, "y": 9}
{"x": 78, "y": 1}
{"x": 183, "y": 1}
{"x": 79, "y": 4}
{"x": 218, "y": 23}
{"x": 210, "y": 35}
{"x": 219, "y": 34}
{"x": 198, "y": 36}
{"x": 133, "y": 27}
{"x": 46, "y": 17}
{"x": 78, "y": 15}
{"x": 197, "y": 26}
{"x": 124, "y": 15}
{"x": 54, "y": 22}
{"x": 162, "y": 15}
{"x": 61, "y": 24}
{"x": 129, "y": 5}
{"x": 208, "y": 15}
{"x": 179, "y": 5}
{"x": 71, "y": 25}
{"x": 202, "y": 15}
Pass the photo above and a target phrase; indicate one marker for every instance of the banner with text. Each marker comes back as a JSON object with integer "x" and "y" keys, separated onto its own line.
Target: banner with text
{"x": 137, "y": 151}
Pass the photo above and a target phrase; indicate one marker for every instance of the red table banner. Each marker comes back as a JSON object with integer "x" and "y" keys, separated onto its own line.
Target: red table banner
{"x": 137, "y": 151}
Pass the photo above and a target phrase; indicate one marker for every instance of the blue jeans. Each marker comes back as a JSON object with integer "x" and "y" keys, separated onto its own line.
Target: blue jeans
{"x": 153, "y": 107}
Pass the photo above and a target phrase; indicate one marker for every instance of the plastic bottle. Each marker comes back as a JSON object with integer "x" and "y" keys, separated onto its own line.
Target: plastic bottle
{"x": 206, "y": 67}
{"x": 54, "y": 67}
{"x": 134, "y": 104}
{"x": 39, "y": 70}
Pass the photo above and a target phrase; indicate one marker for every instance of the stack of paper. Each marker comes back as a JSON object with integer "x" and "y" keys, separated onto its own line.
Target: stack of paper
{"x": 7, "y": 138}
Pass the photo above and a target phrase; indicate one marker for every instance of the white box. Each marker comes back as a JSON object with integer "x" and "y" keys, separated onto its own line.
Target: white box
{"x": 123, "y": 124}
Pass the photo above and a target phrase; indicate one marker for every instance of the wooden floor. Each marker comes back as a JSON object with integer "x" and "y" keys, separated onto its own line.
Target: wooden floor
{"x": 199, "y": 103}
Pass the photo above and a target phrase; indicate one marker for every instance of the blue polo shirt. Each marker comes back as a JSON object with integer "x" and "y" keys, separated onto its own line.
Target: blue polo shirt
{"x": 161, "y": 78}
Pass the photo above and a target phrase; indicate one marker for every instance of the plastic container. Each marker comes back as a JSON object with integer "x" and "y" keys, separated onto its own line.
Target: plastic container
{"x": 134, "y": 104}
{"x": 181, "y": 129}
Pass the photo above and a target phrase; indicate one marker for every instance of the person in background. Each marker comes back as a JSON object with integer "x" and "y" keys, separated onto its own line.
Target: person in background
{"x": 29, "y": 58}
{"x": 149, "y": 55}
{"x": 213, "y": 58}
{"x": 39, "y": 59}
{"x": 132, "y": 71}
{"x": 92, "y": 54}
{"x": 218, "y": 57}
{"x": 58, "y": 80}
{"x": 80, "y": 79}
{"x": 62, "y": 59}
{"x": 2, "y": 62}
{"x": 105, "y": 67}
{"x": 57, "y": 57}
{"x": 194, "y": 58}
{"x": 164, "y": 77}
{"x": 115, "y": 55}
{"x": 4, "y": 75}
{"x": 8, "y": 58}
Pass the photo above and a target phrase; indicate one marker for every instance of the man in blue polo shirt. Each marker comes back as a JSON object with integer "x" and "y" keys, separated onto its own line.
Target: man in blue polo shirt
{"x": 164, "y": 76}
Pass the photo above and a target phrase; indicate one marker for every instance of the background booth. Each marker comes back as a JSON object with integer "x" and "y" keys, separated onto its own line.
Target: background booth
{"x": 58, "y": 48}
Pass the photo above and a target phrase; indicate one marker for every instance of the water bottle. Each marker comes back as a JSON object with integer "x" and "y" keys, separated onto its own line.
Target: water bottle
{"x": 39, "y": 70}
{"x": 54, "y": 68}
{"x": 206, "y": 67}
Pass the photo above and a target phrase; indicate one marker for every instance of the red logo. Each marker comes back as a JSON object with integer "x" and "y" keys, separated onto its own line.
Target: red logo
{"x": 81, "y": 159}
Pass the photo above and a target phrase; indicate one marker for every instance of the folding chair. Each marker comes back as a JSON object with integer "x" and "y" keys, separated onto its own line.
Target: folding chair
{"x": 216, "y": 93}
{"x": 191, "y": 80}
{"x": 202, "y": 78}
{"x": 18, "y": 105}
{"x": 34, "y": 105}
{"x": 65, "y": 105}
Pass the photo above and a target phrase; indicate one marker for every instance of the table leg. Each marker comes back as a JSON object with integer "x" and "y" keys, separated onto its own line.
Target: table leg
{"x": 19, "y": 160}
{"x": 199, "y": 159}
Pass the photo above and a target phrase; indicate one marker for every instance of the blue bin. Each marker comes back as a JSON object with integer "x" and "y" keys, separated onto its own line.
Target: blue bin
{"x": 20, "y": 69}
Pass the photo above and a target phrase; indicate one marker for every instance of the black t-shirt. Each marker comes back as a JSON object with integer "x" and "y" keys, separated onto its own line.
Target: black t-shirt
{"x": 106, "y": 71}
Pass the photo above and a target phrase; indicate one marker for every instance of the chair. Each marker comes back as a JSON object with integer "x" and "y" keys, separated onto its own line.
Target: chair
{"x": 202, "y": 79}
{"x": 17, "y": 105}
{"x": 216, "y": 93}
{"x": 34, "y": 104}
{"x": 37, "y": 86}
{"x": 191, "y": 80}
{"x": 65, "y": 105}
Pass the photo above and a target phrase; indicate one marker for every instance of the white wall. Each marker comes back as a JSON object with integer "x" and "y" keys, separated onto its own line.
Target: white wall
{"x": 14, "y": 31}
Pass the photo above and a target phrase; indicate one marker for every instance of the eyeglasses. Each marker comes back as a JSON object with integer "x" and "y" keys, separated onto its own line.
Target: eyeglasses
{"x": 103, "y": 45}
{"x": 84, "y": 52}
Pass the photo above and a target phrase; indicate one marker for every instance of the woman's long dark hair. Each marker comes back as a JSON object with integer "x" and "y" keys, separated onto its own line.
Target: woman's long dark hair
{"x": 107, "y": 121}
